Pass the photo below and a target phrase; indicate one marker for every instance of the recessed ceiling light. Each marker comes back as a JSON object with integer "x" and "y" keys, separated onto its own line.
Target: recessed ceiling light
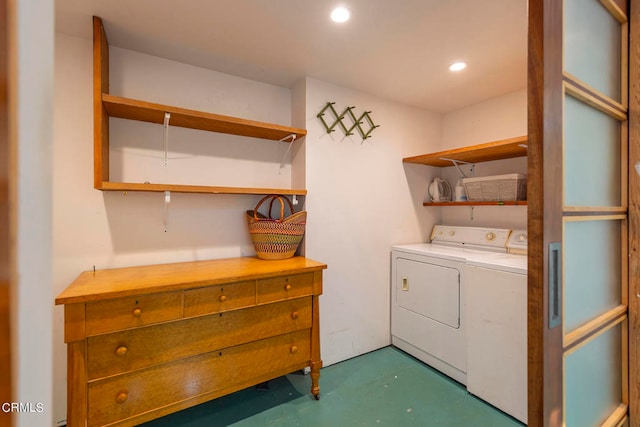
{"x": 457, "y": 66}
{"x": 340, "y": 14}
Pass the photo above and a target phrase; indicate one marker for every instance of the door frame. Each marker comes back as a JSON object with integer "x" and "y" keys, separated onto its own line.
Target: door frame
{"x": 634, "y": 212}
{"x": 544, "y": 214}
{"x": 7, "y": 177}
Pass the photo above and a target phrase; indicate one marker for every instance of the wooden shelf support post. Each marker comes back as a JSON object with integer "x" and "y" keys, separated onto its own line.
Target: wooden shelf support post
{"x": 100, "y": 116}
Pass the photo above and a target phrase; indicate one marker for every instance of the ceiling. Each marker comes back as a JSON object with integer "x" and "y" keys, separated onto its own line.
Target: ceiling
{"x": 398, "y": 50}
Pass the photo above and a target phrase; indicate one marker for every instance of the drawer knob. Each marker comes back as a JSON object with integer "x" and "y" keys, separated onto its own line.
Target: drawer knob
{"x": 137, "y": 312}
{"x": 121, "y": 351}
{"x": 122, "y": 397}
{"x": 287, "y": 287}
{"x": 295, "y": 315}
{"x": 293, "y": 349}
{"x": 222, "y": 298}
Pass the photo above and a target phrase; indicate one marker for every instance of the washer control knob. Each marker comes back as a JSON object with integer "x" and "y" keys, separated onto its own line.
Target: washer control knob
{"x": 452, "y": 233}
{"x": 490, "y": 236}
{"x": 522, "y": 238}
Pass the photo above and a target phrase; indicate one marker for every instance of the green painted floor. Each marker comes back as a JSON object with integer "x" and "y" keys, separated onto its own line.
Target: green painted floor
{"x": 384, "y": 388}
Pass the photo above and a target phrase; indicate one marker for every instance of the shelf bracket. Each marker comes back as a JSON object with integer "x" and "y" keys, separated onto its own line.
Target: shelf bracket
{"x": 293, "y": 138}
{"x": 456, "y": 164}
{"x": 165, "y": 211}
{"x": 167, "y": 116}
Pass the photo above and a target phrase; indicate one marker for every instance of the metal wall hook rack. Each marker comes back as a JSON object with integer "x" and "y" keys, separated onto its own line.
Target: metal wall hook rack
{"x": 357, "y": 123}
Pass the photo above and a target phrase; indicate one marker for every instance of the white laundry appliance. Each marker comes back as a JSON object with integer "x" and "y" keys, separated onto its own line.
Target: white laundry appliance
{"x": 497, "y": 327}
{"x": 428, "y": 286}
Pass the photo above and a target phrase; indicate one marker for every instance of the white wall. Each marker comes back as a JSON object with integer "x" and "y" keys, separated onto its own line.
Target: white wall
{"x": 362, "y": 199}
{"x": 495, "y": 119}
{"x": 111, "y": 229}
{"x": 30, "y": 128}
{"x": 196, "y": 157}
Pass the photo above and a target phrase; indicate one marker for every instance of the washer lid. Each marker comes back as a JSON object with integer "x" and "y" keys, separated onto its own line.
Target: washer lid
{"x": 502, "y": 262}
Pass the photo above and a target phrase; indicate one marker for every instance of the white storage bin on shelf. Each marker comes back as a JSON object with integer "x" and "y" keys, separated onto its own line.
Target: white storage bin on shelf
{"x": 496, "y": 188}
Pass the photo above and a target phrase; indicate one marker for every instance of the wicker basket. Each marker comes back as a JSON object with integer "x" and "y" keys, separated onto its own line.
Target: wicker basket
{"x": 276, "y": 238}
{"x": 496, "y": 188}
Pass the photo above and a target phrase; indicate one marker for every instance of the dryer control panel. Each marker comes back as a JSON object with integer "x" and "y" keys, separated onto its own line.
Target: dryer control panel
{"x": 471, "y": 237}
{"x": 518, "y": 242}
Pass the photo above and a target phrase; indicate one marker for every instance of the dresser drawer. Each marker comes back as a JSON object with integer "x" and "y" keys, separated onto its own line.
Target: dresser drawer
{"x": 124, "y": 351}
{"x": 284, "y": 287}
{"x": 215, "y": 299}
{"x": 123, "y": 396}
{"x": 123, "y": 313}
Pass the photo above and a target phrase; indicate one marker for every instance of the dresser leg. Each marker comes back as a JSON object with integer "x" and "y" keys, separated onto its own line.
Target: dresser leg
{"x": 76, "y": 384}
{"x": 315, "y": 376}
{"x": 316, "y": 362}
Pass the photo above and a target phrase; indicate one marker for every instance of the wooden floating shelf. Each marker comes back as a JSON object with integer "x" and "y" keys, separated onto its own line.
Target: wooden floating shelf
{"x": 497, "y": 150}
{"x": 132, "y": 109}
{"x": 507, "y": 203}
{"x": 129, "y": 186}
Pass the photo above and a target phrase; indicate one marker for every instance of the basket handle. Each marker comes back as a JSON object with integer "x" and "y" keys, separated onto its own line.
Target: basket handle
{"x": 273, "y": 197}
{"x": 282, "y": 210}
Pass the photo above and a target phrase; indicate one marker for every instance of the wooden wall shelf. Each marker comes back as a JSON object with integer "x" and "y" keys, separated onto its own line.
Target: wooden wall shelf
{"x": 496, "y": 150}
{"x": 507, "y": 203}
{"x": 205, "y": 189}
{"x": 106, "y": 106}
{"x": 126, "y": 108}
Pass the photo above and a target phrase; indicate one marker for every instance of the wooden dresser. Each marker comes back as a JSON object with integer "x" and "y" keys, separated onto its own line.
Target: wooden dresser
{"x": 143, "y": 342}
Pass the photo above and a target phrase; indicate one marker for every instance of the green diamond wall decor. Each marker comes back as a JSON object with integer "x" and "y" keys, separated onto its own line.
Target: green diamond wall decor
{"x": 347, "y": 121}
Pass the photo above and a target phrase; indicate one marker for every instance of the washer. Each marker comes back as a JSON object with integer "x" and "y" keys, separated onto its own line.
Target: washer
{"x": 428, "y": 294}
{"x": 497, "y": 328}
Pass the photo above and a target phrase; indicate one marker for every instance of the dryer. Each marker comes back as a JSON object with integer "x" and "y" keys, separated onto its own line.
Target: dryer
{"x": 428, "y": 286}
